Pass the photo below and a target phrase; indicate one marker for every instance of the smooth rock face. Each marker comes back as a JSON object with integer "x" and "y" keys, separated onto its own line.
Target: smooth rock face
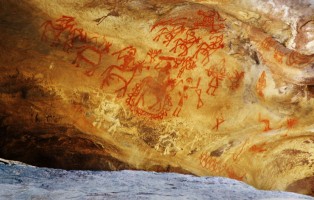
{"x": 203, "y": 87}
{"x": 27, "y": 182}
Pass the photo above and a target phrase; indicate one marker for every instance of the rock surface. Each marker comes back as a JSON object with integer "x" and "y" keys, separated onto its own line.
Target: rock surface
{"x": 28, "y": 182}
{"x": 203, "y": 87}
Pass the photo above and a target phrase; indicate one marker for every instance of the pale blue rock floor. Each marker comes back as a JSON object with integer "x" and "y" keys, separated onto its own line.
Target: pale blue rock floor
{"x": 18, "y": 181}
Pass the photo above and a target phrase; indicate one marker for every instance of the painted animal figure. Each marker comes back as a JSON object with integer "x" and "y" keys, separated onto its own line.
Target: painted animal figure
{"x": 124, "y": 72}
{"x": 209, "y": 21}
{"x": 92, "y": 56}
{"x": 185, "y": 44}
{"x": 76, "y": 34}
{"x": 55, "y": 29}
{"x": 169, "y": 33}
{"x": 207, "y": 49}
{"x": 170, "y": 22}
{"x": 151, "y": 97}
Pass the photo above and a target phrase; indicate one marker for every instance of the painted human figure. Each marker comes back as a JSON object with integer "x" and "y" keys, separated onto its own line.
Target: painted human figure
{"x": 181, "y": 63}
{"x": 124, "y": 72}
{"x": 77, "y": 34}
{"x": 184, "y": 95}
{"x": 153, "y": 53}
{"x": 209, "y": 20}
{"x": 56, "y": 28}
{"x": 83, "y": 55}
{"x": 206, "y": 49}
{"x": 128, "y": 58}
{"x": 186, "y": 43}
{"x": 219, "y": 121}
{"x": 216, "y": 76}
{"x": 169, "y": 33}
{"x": 186, "y": 63}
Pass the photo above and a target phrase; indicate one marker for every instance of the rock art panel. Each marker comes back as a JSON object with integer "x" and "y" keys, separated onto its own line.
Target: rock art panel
{"x": 210, "y": 88}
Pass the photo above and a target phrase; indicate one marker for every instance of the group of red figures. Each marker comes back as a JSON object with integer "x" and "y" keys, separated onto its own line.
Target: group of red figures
{"x": 217, "y": 166}
{"x": 167, "y": 81}
{"x": 179, "y": 36}
{"x": 65, "y": 32}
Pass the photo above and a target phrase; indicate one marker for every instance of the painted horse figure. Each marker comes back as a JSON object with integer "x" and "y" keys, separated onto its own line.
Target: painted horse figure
{"x": 76, "y": 34}
{"x": 185, "y": 44}
{"x": 169, "y": 34}
{"x": 55, "y": 29}
{"x": 207, "y": 49}
{"x": 124, "y": 72}
{"x": 91, "y": 55}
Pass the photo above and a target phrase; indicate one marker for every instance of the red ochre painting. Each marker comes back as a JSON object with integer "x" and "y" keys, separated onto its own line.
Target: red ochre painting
{"x": 160, "y": 84}
{"x": 209, "y": 88}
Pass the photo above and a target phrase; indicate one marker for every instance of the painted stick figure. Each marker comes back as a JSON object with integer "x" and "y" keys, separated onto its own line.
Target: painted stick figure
{"x": 125, "y": 72}
{"x": 186, "y": 44}
{"x": 77, "y": 34}
{"x": 153, "y": 53}
{"x": 186, "y": 63}
{"x": 206, "y": 49}
{"x": 169, "y": 33}
{"x": 216, "y": 75}
{"x": 219, "y": 121}
{"x": 184, "y": 95}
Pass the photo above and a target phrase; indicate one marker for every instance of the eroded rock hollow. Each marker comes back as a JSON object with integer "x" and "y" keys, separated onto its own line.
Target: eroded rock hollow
{"x": 204, "y": 87}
